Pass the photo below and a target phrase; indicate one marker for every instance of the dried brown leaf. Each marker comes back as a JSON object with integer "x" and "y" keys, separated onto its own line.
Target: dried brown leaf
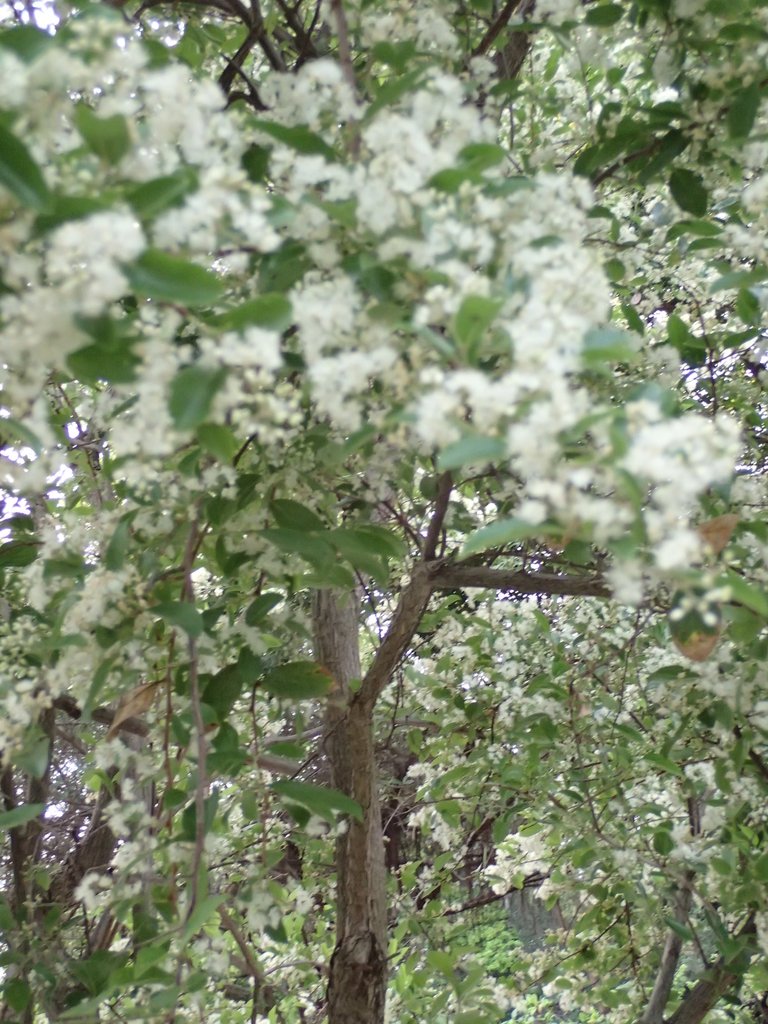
{"x": 133, "y": 704}
{"x": 718, "y": 531}
{"x": 698, "y": 646}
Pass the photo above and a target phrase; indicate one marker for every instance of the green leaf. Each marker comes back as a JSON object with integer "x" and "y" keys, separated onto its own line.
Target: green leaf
{"x": 678, "y": 928}
{"x": 21, "y": 175}
{"x": 664, "y": 763}
{"x": 678, "y": 334}
{"x": 255, "y": 162}
{"x": 325, "y": 803}
{"x": 702, "y": 228}
{"x": 271, "y": 311}
{"x": 17, "y": 994}
{"x": 391, "y": 89}
{"x": 477, "y": 451}
{"x": 221, "y": 692}
{"x": 200, "y": 916}
{"x": 260, "y": 607}
{"x": 110, "y": 359}
{"x": 20, "y": 815}
{"x": 689, "y": 192}
{"x": 760, "y": 868}
{"x": 442, "y": 961}
{"x": 298, "y": 680}
{"x": 298, "y": 137}
{"x": 739, "y": 279}
{"x": 18, "y": 435}
{"x": 743, "y": 110}
{"x": 473, "y": 318}
{"x": 156, "y": 275}
{"x": 153, "y": 197}
{"x": 34, "y": 756}
{"x": 312, "y": 547}
{"x": 482, "y": 155}
{"x": 607, "y": 14}
{"x": 663, "y": 842}
{"x": 608, "y": 345}
{"x": 94, "y": 972}
{"x": 473, "y": 161}
{"x": 189, "y": 817}
{"x": 748, "y": 307}
{"x": 16, "y": 554}
{"x": 749, "y": 594}
{"x": 181, "y": 614}
{"x": 218, "y": 440}
{"x": 114, "y": 556}
{"x": 399, "y": 55}
{"x": 107, "y": 137}
{"x": 293, "y": 516}
{"x": 27, "y": 42}
{"x": 380, "y": 541}
{"x": 672, "y": 145}
{"x": 354, "y": 547}
{"x": 503, "y": 532}
{"x": 192, "y": 392}
{"x": 65, "y": 208}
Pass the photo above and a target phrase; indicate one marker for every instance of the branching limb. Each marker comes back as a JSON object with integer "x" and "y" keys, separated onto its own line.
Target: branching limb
{"x": 345, "y": 50}
{"x": 721, "y": 976}
{"x": 496, "y": 27}
{"x": 447, "y": 576}
{"x": 405, "y": 622}
{"x": 444, "y": 488}
{"x": 670, "y": 957}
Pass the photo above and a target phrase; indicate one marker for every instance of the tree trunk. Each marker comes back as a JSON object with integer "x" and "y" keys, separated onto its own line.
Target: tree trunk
{"x": 358, "y": 970}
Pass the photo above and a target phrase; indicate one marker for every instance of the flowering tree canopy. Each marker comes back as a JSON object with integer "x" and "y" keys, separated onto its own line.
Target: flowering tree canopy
{"x": 382, "y": 478}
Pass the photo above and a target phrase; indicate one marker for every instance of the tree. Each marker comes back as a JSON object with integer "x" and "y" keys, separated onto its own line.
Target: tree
{"x": 383, "y": 468}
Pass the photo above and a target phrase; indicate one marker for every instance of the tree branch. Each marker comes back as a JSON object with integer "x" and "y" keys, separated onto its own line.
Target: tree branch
{"x": 444, "y": 487}
{"x": 345, "y": 50}
{"x": 495, "y": 28}
{"x": 719, "y": 978}
{"x": 670, "y": 957}
{"x": 440, "y": 575}
{"x": 405, "y": 622}
{"x": 449, "y": 576}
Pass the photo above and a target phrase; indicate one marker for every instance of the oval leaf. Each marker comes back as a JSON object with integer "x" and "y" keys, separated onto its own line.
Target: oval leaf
{"x": 165, "y": 278}
{"x": 20, "y": 174}
{"x": 192, "y": 392}
{"x": 472, "y": 450}
{"x": 505, "y": 531}
{"x": 298, "y": 680}
{"x": 20, "y": 815}
{"x": 325, "y": 803}
{"x": 271, "y": 311}
{"x": 181, "y": 614}
{"x": 688, "y": 192}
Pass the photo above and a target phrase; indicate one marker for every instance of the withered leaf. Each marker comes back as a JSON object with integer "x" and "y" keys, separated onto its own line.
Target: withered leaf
{"x": 697, "y": 646}
{"x": 718, "y": 531}
{"x": 133, "y": 704}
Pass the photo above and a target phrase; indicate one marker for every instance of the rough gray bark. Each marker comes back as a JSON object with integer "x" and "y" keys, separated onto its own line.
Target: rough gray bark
{"x": 358, "y": 970}
{"x": 720, "y": 977}
{"x": 670, "y": 957}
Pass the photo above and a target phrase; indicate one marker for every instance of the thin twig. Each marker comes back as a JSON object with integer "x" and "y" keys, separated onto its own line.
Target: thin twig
{"x": 501, "y": 21}
{"x": 345, "y": 50}
{"x": 201, "y": 791}
{"x": 444, "y": 487}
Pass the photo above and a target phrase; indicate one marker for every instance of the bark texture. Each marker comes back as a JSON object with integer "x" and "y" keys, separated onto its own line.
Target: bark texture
{"x": 358, "y": 970}
{"x": 721, "y": 976}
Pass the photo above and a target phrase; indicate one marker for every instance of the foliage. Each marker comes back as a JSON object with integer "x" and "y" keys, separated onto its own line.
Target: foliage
{"x": 383, "y": 484}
